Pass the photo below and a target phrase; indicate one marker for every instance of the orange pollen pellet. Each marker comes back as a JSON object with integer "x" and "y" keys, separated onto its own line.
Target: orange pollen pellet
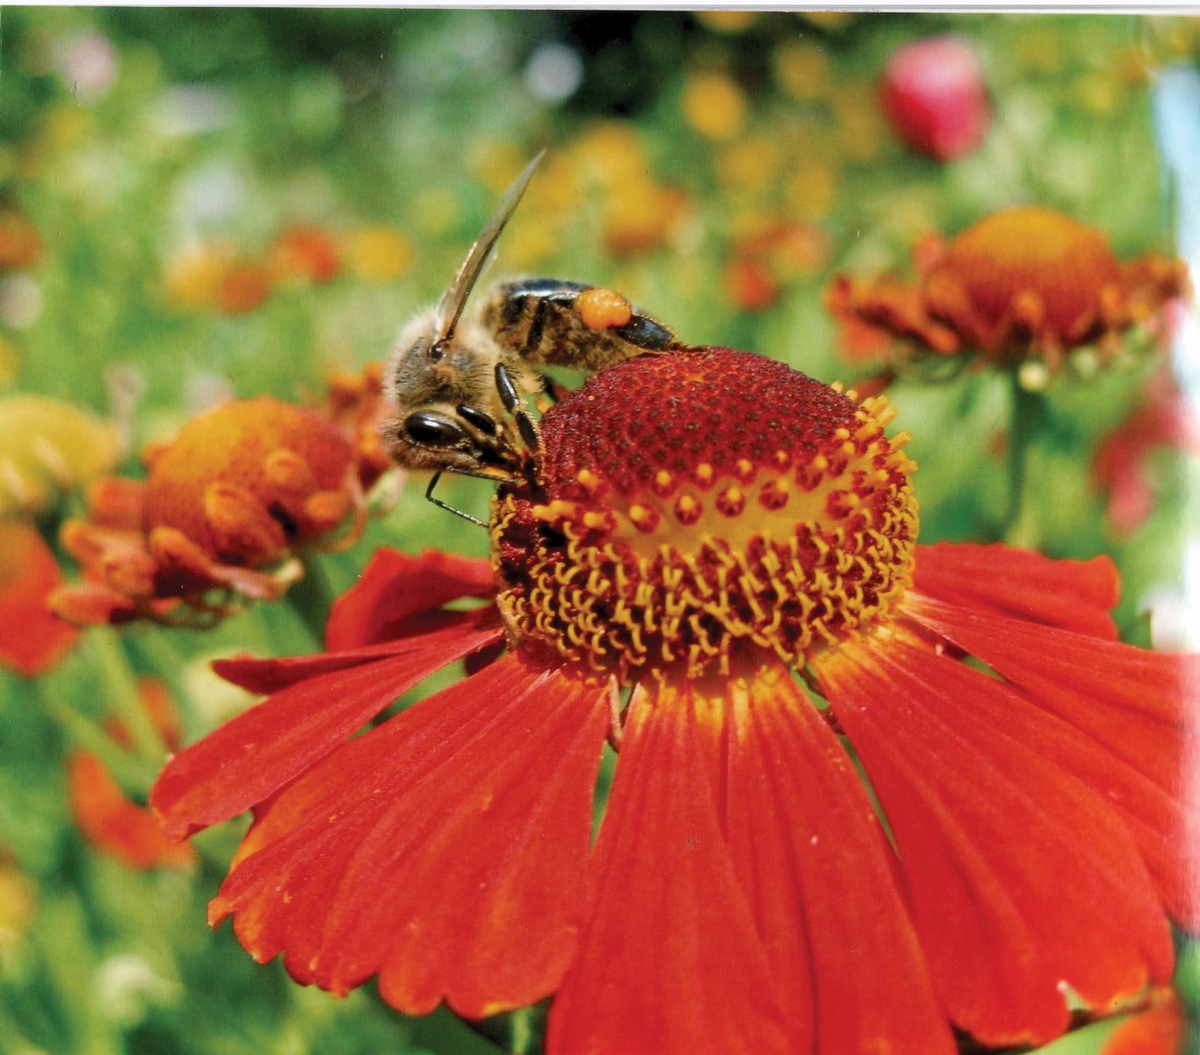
{"x": 644, "y": 518}
{"x": 603, "y": 309}
{"x": 782, "y": 460}
{"x": 704, "y": 475}
{"x": 731, "y": 501}
{"x": 745, "y": 470}
{"x": 773, "y": 496}
{"x": 688, "y": 510}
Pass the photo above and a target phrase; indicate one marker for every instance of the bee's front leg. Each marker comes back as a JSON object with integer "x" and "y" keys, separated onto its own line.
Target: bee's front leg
{"x": 511, "y": 398}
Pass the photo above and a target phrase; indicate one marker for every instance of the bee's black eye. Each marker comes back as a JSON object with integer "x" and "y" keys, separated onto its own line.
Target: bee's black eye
{"x": 434, "y": 430}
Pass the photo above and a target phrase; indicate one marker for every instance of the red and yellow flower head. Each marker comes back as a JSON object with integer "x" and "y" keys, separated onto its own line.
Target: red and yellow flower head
{"x": 1022, "y": 283}
{"x": 714, "y": 563}
{"x": 223, "y": 510}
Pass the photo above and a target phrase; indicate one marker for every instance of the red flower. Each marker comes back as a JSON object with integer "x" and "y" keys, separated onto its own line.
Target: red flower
{"x": 109, "y": 820}
{"x": 223, "y": 509}
{"x": 934, "y": 95}
{"x": 1022, "y": 283}
{"x": 701, "y": 527}
{"x": 1122, "y": 465}
{"x": 32, "y": 641}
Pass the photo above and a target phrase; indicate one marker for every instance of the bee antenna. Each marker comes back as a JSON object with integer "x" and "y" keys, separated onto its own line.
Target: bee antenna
{"x": 450, "y": 307}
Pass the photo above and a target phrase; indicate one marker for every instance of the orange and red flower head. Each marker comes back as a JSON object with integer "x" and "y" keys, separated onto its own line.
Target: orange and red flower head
{"x": 1022, "y": 283}
{"x": 751, "y": 506}
{"x": 222, "y": 510}
{"x": 715, "y": 559}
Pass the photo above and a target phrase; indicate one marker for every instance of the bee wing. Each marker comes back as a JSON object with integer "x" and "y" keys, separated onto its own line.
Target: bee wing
{"x": 450, "y": 307}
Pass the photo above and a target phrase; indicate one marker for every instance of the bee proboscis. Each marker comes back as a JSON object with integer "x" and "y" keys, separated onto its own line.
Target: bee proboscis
{"x": 457, "y": 383}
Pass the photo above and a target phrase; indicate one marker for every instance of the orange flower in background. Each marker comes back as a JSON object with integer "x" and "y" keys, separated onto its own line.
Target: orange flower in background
{"x": 714, "y": 564}
{"x": 1162, "y": 1029}
{"x": 32, "y": 641}
{"x": 215, "y": 277}
{"x": 306, "y": 253}
{"x": 222, "y": 511}
{"x": 109, "y": 820}
{"x": 20, "y": 243}
{"x": 1023, "y": 283}
{"x": 762, "y": 262}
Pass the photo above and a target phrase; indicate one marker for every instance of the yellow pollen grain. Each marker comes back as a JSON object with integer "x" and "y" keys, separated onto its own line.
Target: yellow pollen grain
{"x": 664, "y": 483}
{"x": 745, "y": 470}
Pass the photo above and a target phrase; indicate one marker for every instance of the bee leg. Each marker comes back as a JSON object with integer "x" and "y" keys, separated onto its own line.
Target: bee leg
{"x": 446, "y": 505}
{"x": 511, "y": 399}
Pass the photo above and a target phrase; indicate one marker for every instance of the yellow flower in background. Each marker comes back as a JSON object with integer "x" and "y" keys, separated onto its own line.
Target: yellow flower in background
{"x": 802, "y": 70}
{"x": 17, "y": 901}
{"x": 727, "y": 21}
{"x": 48, "y": 448}
{"x": 714, "y": 105}
{"x": 378, "y": 253}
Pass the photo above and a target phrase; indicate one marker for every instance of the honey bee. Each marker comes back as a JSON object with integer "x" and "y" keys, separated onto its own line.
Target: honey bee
{"x": 457, "y": 384}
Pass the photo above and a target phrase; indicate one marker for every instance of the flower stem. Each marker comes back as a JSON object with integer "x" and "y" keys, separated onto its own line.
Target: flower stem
{"x": 83, "y": 733}
{"x": 122, "y": 694}
{"x": 311, "y": 598}
{"x": 1027, "y": 413}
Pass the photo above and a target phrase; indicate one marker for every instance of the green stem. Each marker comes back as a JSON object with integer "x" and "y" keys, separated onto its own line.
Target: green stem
{"x": 311, "y": 598}
{"x": 131, "y": 773}
{"x": 121, "y": 691}
{"x": 1027, "y": 412}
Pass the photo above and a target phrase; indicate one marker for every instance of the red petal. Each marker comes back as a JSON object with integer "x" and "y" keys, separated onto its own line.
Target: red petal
{"x": 32, "y": 640}
{"x": 1137, "y": 709}
{"x": 271, "y": 675}
{"x": 805, "y": 839}
{"x": 113, "y": 824}
{"x": 670, "y": 963}
{"x": 1073, "y": 595}
{"x": 259, "y": 751}
{"x": 394, "y": 587}
{"x": 1020, "y": 879}
{"x": 445, "y": 850}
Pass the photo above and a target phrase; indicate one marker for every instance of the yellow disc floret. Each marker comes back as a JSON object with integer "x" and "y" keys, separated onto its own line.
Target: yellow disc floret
{"x": 726, "y": 499}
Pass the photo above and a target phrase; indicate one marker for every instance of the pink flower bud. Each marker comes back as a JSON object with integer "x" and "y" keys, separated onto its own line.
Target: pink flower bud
{"x": 933, "y": 94}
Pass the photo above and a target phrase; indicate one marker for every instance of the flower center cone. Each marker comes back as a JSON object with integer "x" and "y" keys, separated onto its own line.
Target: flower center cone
{"x": 727, "y": 500}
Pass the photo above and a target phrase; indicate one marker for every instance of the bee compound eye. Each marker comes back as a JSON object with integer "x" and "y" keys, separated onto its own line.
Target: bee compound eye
{"x": 433, "y": 430}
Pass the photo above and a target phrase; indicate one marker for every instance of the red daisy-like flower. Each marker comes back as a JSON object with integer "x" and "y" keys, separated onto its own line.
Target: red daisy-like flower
{"x": 1022, "y": 283}
{"x": 715, "y": 564}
